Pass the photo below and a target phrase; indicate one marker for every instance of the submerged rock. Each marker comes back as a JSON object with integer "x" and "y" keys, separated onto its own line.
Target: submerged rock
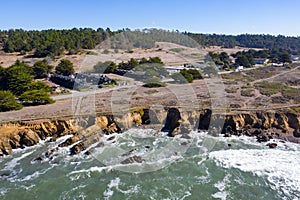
{"x": 133, "y": 159}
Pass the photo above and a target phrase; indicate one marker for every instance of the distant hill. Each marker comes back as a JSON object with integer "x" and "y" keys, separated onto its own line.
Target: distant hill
{"x": 70, "y": 41}
{"x": 290, "y": 44}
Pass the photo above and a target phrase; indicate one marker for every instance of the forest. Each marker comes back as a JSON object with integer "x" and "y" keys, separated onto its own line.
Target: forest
{"x": 290, "y": 44}
{"x": 57, "y": 42}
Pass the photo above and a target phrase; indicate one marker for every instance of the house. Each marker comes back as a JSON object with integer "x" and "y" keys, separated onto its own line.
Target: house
{"x": 53, "y": 86}
{"x": 295, "y": 57}
{"x": 239, "y": 68}
{"x": 78, "y": 80}
{"x": 261, "y": 61}
{"x": 174, "y": 69}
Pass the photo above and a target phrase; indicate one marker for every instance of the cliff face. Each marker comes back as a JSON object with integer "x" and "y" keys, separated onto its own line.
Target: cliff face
{"x": 24, "y": 134}
{"x": 87, "y": 131}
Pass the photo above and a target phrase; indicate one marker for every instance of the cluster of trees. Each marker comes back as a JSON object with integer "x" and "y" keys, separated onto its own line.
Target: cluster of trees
{"x": 52, "y": 42}
{"x": 247, "y": 58}
{"x": 290, "y": 44}
{"x": 17, "y": 83}
{"x": 19, "y": 86}
{"x": 187, "y": 75}
{"x": 111, "y": 67}
{"x": 220, "y": 59}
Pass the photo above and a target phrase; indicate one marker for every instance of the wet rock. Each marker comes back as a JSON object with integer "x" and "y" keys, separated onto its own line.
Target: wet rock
{"x": 227, "y": 134}
{"x": 40, "y": 158}
{"x": 262, "y": 138}
{"x": 296, "y": 132}
{"x": 229, "y": 145}
{"x": 272, "y": 145}
{"x": 50, "y": 152}
{"x": 128, "y": 153}
{"x": 111, "y": 138}
{"x": 133, "y": 159}
{"x": 69, "y": 141}
{"x": 5, "y": 148}
{"x": 173, "y": 121}
{"x": 147, "y": 147}
{"x": 77, "y": 148}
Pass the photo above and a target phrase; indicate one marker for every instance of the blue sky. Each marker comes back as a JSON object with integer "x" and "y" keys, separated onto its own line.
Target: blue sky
{"x": 203, "y": 16}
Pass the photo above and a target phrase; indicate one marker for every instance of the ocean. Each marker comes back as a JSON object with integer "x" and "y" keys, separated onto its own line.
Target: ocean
{"x": 198, "y": 166}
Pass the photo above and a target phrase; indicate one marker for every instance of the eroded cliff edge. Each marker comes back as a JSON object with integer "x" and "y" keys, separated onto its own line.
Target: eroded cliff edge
{"x": 86, "y": 130}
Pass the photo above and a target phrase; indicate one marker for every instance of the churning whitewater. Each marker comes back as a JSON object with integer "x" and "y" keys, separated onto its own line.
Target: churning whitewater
{"x": 145, "y": 164}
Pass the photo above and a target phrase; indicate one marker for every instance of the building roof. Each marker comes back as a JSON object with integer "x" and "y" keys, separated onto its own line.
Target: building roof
{"x": 51, "y": 84}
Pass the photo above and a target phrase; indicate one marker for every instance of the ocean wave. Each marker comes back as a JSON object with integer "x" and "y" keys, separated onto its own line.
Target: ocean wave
{"x": 281, "y": 167}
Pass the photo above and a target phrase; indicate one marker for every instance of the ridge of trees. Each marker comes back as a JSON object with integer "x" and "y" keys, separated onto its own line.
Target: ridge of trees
{"x": 288, "y": 43}
{"x": 56, "y": 42}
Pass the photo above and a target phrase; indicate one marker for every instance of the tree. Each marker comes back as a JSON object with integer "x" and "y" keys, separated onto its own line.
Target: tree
{"x": 111, "y": 68}
{"x": 186, "y": 75}
{"x": 2, "y": 77}
{"x": 17, "y": 79}
{"x": 143, "y": 61}
{"x": 41, "y": 69}
{"x": 65, "y": 67}
{"x": 242, "y": 61}
{"x": 195, "y": 74}
{"x": 36, "y": 97}
{"x": 225, "y": 59}
{"x": 38, "y": 85}
{"x": 106, "y": 67}
{"x": 155, "y": 60}
{"x": 8, "y": 101}
{"x": 285, "y": 58}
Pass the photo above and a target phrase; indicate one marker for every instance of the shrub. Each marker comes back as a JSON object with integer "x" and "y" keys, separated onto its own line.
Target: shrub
{"x": 8, "y": 101}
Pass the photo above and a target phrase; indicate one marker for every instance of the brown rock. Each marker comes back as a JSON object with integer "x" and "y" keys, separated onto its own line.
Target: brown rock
{"x": 76, "y": 149}
{"x": 272, "y": 145}
{"x": 28, "y": 138}
{"x": 69, "y": 141}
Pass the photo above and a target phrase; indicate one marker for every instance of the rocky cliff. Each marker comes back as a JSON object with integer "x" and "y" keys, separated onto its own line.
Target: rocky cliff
{"x": 85, "y": 131}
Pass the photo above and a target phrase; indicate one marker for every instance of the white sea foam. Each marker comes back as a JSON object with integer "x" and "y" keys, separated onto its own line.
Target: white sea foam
{"x": 281, "y": 167}
{"x": 115, "y": 185}
{"x": 10, "y": 165}
{"x": 221, "y": 186}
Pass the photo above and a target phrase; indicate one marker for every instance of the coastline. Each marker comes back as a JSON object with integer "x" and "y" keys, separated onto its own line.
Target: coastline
{"x": 84, "y": 131}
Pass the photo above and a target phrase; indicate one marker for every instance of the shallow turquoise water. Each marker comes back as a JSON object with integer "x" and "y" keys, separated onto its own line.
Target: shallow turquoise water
{"x": 202, "y": 167}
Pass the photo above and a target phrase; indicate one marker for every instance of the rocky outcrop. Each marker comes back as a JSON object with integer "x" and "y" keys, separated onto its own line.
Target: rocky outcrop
{"x": 20, "y": 135}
